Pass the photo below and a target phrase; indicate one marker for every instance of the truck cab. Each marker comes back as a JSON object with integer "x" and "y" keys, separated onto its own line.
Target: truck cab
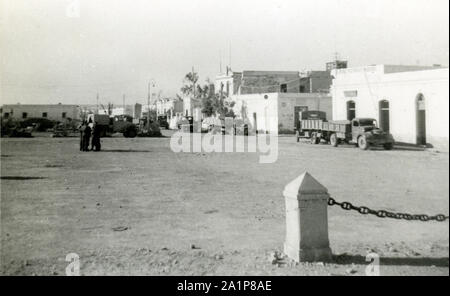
{"x": 365, "y": 132}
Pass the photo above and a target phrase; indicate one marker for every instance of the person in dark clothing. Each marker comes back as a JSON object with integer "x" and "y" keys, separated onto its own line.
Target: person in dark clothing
{"x": 82, "y": 128}
{"x": 86, "y": 137}
{"x": 96, "y": 146}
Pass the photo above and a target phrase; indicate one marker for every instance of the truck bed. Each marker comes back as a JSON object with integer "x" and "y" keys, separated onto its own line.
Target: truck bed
{"x": 341, "y": 126}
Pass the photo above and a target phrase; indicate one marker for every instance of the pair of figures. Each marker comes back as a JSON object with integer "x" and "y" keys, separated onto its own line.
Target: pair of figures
{"x": 89, "y": 134}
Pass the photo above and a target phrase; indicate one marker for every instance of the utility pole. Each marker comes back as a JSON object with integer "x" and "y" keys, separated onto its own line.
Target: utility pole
{"x": 123, "y": 103}
{"x": 193, "y": 79}
{"x": 148, "y": 106}
{"x": 148, "y": 100}
{"x": 97, "y": 103}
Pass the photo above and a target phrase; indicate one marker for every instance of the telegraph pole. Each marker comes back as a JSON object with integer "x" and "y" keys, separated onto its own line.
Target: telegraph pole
{"x": 123, "y": 103}
{"x": 148, "y": 100}
{"x": 193, "y": 79}
{"x": 148, "y": 106}
{"x": 97, "y": 103}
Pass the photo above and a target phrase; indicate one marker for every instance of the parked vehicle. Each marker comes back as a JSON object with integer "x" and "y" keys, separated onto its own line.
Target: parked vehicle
{"x": 144, "y": 129}
{"x": 360, "y": 131}
{"x": 311, "y": 115}
{"x": 116, "y": 124}
{"x": 13, "y": 129}
{"x": 162, "y": 120}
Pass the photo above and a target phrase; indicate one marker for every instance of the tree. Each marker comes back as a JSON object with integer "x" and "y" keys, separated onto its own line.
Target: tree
{"x": 207, "y": 100}
{"x": 190, "y": 80}
{"x": 223, "y": 107}
{"x": 210, "y": 103}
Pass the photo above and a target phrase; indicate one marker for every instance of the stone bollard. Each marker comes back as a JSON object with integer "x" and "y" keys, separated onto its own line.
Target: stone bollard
{"x": 306, "y": 220}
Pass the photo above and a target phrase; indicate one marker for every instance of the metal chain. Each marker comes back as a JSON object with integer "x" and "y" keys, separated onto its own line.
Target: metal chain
{"x": 386, "y": 214}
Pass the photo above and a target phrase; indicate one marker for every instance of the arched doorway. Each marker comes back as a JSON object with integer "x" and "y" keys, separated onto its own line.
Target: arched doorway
{"x": 421, "y": 135}
{"x": 351, "y": 110}
{"x": 383, "y": 110}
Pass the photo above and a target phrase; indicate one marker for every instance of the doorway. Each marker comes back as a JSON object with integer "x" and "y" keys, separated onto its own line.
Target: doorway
{"x": 421, "y": 130}
{"x": 255, "y": 123}
{"x": 383, "y": 109}
{"x": 351, "y": 110}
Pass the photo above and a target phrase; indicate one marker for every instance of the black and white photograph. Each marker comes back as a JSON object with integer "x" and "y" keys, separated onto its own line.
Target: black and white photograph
{"x": 195, "y": 138}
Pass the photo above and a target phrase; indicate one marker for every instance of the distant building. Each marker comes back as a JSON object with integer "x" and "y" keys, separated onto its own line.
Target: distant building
{"x": 169, "y": 106}
{"x": 57, "y": 112}
{"x": 228, "y": 83}
{"x": 192, "y": 107}
{"x": 315, "y": 82}
{"x": 411, "y": 102}
{"x": 257, "y": 82}
{"x": 127, "y": 110}
{"x": 336, "y": 65}
{"x": 278, "y": 112}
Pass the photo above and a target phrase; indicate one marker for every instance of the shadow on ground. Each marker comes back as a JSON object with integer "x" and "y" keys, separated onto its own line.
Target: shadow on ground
{"x": 395, "y": 261}
{"x": 124, "y": 150}
{"x": 21, "y": 178}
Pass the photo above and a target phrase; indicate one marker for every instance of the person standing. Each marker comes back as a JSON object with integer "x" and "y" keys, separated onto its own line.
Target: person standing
{"x": 82, "y": 129}
{"x": 87, "y": 136}
{"x": 96, "y": 146}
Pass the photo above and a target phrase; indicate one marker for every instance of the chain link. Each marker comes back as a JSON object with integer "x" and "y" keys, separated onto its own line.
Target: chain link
{"x": 386, "y": 214}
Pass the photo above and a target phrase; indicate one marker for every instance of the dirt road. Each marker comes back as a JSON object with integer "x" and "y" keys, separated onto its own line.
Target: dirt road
{"x": 139, "y": 208}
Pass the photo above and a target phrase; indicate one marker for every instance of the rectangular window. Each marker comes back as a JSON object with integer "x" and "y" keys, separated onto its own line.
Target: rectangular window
{"x": 64, "y": 115}
{"x": 302, "y": 89}
{"x": 350, "y": 93}
{"x": 283, "y": 88}
{"x": 44, "y": 114}
{"x": 24, "y": 115}
{"x": 6, "y": 115}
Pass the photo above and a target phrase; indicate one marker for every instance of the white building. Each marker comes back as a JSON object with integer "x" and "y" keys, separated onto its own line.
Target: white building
{"x": 192, "y": 107}
{"x": 58, "y": 112}
{"x": 409, "y": 101}
{"x": 228, "y": 83}
{"x": 169, "y": 106}
{"x": 278, "y": 112}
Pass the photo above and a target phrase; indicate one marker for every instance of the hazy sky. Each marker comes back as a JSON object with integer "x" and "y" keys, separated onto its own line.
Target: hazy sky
{"x": 50, "y": 54}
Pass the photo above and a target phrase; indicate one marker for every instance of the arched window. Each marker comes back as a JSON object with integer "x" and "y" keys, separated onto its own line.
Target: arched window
{"x": 383, "y": 111}
{"x": 351, "y": 110}
{"x": 421, "y": 130}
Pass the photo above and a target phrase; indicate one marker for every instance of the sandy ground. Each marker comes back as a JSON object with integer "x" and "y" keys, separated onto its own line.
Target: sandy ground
{"x": 211, "y": 214}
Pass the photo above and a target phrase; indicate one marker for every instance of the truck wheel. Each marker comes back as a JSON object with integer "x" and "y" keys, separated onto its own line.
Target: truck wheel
{"x": 334, "y": 141}
{"x": 388, "y": 146}
{"x": 362, "y": 143}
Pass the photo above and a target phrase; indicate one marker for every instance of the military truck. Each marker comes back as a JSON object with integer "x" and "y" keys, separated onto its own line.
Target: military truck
{"x": 115, "y": 124}
{"x": 311, "y": 115}
{"x": 148, "y": 128}
{"x": 363, "y": 132}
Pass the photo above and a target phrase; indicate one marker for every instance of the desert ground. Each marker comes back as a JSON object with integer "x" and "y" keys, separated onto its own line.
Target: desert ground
{"x": 137, "y": 208}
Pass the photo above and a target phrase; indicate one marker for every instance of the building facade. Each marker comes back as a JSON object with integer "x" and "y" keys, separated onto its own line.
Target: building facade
{"x": 168, "y": 106}
{"x": 57, "y": 112}
{"x": 278, "y": 112}
{"x": 411, "y": 102}
{"x": 315, "y": 82}
{"x": 336, "y": 65}
{"x": 257, "y": 82}
{"x": 228, "y": 83}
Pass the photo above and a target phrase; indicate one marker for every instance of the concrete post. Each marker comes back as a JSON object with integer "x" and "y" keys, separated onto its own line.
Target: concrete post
{"x": 306, "y": 220}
